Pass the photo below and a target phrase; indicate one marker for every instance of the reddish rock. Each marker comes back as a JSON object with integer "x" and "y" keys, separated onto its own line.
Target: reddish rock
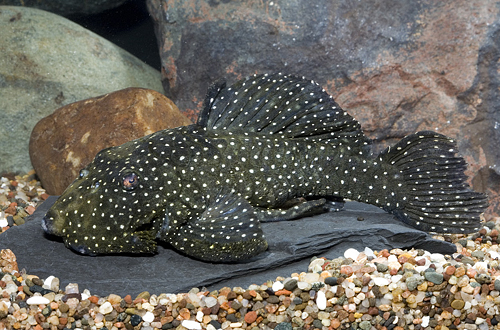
{"x": 250, "y": 317}
{"x": 398, "y": 67}
{"x": 66, "y": 141}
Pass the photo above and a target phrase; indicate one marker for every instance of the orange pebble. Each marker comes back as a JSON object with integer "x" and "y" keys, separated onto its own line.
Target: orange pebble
{"x": 471, "y": 272}
{"x": 384, "y": 253}
{"x": 184, "y": 313}
{"x": 283, "y": 292}
{"x": 250, "y": 317}
{"x": 93, "y": 299}
{"x": 450, "y": 270}
{"x": 335, "y": 323}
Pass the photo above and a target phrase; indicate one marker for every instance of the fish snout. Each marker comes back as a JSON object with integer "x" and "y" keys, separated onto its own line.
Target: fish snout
{"x": 48, "y": 224}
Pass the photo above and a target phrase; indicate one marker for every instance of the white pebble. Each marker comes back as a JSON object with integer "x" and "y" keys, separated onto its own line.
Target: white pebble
{"x": 369, "y": 252}
{"x": 315, "y": 265}
{"x": 494, "y": 254}
{"x": 199, "y": 316}
{"x": 425, "y": 321}
{"x": 380, "y": 281}
{"x": 106, "y": 308}
{"x": 3, "y": 222}
{"x": 148, "y": 317}
{"x": 37, "y": 300}
{"x": 188, "y": 324}
{"x": 210, "y": 302}
{"x": 351, "y": 253}
{"x": 277, "y": 286}
{"x": 392, "y": 258}
{"x": 396, "y": 278}
{"x": 481, "y": 267}
{"x": 321, "y": 300}
{"x": 72, "y": 288}
{"x": 51, "y": 283}
{"x": 304, "y": 286}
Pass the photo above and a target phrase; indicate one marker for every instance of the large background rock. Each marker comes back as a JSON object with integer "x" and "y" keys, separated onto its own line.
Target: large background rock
{"x": 65, "y": 7}
{"x": 291, "y": 245}
{"x": 66, "y": 141}
{"x": 46, "y": 62}
{"x": 397, "y": 66}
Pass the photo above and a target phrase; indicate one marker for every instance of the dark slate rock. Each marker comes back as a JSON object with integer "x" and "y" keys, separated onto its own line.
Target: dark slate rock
{"x": 291, "y": 246}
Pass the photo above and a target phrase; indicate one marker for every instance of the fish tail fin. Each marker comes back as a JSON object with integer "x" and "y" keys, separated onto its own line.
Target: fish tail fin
{"x": 435, "y": 196}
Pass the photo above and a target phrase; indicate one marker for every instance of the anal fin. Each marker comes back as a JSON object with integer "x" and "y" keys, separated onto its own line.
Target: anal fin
{"x": 228, "y": 230}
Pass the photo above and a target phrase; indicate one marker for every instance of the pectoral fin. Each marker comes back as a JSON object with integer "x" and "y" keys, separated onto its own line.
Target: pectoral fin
{"x": 228, "y": 230}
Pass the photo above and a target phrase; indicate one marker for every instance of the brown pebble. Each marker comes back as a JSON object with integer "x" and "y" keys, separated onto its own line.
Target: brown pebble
{"x": 128, "y": 299}
{"x": 37, "y": 281}
{"x": 402, "y": 259}
{"x": 63, "y": 307}
{"x": 231, "y": 295}
{"x": 373, "y": 311}
{"x": 246, "y": 295}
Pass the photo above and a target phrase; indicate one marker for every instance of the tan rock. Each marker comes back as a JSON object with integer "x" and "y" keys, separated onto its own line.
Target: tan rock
{"x": 63, "y": 143}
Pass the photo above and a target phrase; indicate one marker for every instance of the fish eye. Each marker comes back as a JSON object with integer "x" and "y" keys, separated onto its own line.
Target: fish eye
{"x": 130, "y": 181}
{"x": 83, "y": 173}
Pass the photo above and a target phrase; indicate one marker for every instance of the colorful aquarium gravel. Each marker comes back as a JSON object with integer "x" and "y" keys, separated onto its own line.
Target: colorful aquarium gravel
{"x": 19, "y": 197}
{"x": 397, "y": 289}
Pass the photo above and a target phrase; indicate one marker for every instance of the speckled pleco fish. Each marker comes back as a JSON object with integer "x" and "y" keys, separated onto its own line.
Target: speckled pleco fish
{"x": 268, "y": 148}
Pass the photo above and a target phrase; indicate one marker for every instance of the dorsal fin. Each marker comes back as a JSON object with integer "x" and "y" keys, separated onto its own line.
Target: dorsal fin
{"x": 279, "y": 104}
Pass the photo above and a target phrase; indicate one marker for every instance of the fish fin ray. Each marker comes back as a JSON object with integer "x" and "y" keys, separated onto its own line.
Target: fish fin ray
{"x": 438, "y": 196}
{"x": 279, "y": 104}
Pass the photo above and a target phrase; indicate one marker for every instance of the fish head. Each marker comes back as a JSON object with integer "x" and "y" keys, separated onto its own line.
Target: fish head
{"x": 114, "y": 206}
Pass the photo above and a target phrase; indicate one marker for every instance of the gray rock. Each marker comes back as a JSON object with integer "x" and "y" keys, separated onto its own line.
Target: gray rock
{"x": 396, "y": 66}
{"x": 66, "y": 7}
{"x": 291, "y": 246}
{"x": 413, "y": 281}
{"x": 46, "y": 62}
{"x": 436, "y": 278}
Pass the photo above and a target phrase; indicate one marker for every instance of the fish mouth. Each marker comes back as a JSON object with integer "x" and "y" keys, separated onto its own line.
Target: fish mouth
{"x": 49, "y": 224}
{"x": 148, "y": 231}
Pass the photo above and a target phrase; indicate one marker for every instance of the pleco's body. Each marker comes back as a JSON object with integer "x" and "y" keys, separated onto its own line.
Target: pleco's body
{"x": 269, "y": 148}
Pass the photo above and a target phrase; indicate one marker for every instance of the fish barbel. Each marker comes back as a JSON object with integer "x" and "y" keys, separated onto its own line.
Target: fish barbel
{"x": 268, "y": 148}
